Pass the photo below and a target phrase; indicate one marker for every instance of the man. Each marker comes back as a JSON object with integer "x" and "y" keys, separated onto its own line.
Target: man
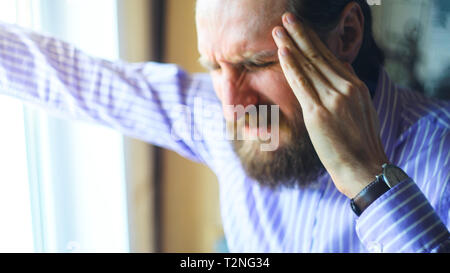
{"x": 334, "y": 181}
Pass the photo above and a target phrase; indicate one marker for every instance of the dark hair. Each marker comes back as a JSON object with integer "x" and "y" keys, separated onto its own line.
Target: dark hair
{"x": 324, "y": 15}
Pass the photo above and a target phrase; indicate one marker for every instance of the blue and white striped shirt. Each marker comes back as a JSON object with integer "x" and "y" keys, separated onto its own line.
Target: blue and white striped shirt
{"x": 148, "y": 100}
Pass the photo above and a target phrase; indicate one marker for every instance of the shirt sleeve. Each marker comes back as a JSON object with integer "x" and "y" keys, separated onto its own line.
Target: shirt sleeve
{"x": 402, "y": 220}
{"x": 143, "y": 100}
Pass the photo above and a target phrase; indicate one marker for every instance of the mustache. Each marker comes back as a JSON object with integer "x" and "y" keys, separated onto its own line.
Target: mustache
{"x": 262, "y": 124}
{"x": 260, "y": 116}
{"x": 293, "y": 164}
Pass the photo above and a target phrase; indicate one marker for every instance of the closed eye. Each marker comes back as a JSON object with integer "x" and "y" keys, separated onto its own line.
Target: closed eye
{"x": 256, "y": 66}
{"x": 214, "y": 68}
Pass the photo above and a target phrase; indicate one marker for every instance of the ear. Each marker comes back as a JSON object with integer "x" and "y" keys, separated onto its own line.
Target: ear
{"x": 346, "y": 39}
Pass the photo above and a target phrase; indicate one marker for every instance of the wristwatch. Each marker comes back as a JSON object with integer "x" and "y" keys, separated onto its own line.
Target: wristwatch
{"x": 389, "y": 178}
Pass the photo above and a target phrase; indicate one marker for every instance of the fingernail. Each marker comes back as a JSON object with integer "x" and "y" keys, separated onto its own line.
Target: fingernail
{"x": 279, "y": 33}
{"x": 290, "y": 18}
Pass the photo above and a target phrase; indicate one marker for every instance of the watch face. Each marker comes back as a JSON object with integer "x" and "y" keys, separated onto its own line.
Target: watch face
{"x": 393, "y": 175}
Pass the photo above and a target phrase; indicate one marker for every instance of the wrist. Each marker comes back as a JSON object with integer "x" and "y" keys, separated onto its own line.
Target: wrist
{"x": 389, "y": 177}
{"x": 355, "y": 179}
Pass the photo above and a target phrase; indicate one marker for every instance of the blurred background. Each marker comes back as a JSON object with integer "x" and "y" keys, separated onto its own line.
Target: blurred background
{"x": 68, "y": 186}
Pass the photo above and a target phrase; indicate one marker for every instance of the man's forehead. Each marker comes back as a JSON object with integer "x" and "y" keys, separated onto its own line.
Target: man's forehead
{"x": 235, "y": 6}
{"x": 239, "y": 13}
{"x": 237, "y": 31}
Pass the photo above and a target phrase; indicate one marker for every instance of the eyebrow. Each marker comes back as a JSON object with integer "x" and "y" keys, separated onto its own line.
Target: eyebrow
{"x": 207, "y": 64}
{"x": 257, "y": 58}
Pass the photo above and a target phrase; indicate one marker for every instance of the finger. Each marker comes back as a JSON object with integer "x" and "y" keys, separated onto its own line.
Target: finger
{"x": 300, "y": 85}
{"x": 321, "y": 86}
{"x": 316, "y": 51}
{"x": 350, "y": 68}
{"x": 312, "y": 50}
{"x": 329, "y": 56}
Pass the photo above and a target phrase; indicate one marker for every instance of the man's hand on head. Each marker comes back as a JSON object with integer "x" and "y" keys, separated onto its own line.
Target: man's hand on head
{"x": 337, "y": 108}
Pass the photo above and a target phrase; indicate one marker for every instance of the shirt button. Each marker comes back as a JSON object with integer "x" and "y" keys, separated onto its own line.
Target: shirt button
{"x": 375, "y": 247}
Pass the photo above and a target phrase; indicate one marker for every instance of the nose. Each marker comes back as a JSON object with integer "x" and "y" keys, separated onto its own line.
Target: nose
{"x": 236, "y": 92}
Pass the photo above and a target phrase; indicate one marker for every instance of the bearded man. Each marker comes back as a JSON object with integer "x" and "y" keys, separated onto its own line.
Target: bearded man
{"x": 359, "y": 164}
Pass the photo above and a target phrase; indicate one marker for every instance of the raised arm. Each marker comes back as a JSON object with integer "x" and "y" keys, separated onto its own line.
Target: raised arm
{"x": 140, "y": 100}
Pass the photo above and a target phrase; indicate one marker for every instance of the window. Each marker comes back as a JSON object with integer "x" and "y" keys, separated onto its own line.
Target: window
{"x": 62, "y": 182}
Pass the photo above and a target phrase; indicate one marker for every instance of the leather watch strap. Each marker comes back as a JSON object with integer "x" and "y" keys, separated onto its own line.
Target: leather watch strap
{"x": 368, "y": 195}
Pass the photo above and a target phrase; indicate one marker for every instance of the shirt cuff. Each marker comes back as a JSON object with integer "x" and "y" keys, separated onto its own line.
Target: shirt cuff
{"x": 401, "y": 220}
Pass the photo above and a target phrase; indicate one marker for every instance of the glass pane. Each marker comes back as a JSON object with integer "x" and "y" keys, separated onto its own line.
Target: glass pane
{"x": 16, "y": 233}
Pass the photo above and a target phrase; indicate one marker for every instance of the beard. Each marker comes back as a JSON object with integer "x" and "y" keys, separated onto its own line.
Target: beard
{"x": 294, "y": 163}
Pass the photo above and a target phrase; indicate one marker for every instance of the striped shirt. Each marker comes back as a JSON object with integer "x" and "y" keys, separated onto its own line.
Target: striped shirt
{"x": 157, "y": 103}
